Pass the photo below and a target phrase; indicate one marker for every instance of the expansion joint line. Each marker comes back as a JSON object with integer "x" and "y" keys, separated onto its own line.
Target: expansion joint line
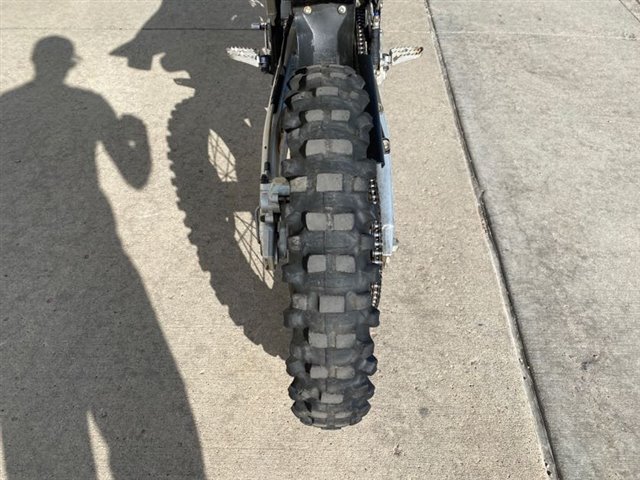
{"x": 630, "y": 10}
{"x": 514, "y": 328}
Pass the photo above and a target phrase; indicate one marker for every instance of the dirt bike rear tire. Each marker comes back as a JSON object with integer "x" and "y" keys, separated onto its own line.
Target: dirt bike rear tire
{"x": 330, "y": 269}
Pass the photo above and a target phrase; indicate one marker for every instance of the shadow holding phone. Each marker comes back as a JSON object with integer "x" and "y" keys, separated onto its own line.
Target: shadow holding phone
{"x": 214, "y": 140}
{"x": 79, "y": 340}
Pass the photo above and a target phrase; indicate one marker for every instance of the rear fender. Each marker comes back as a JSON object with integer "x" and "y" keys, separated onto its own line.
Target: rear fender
{"x": 325, "y": 33}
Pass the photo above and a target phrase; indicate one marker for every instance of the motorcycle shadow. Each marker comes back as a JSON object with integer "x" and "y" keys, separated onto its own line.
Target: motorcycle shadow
{"x": 217, "y": 191}
{"x": 214, "y": 140}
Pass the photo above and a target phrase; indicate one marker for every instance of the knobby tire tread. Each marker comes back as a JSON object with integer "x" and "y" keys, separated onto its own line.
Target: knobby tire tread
{"x": 329, "y": 219}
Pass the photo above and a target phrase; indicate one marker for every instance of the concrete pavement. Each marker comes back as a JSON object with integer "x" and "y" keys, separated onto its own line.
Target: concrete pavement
{"x": 140, "y": 337}
{"x": 548, "y": 94}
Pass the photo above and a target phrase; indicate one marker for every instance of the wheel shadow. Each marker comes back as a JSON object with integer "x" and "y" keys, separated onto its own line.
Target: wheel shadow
{"x": 214, "y": 141}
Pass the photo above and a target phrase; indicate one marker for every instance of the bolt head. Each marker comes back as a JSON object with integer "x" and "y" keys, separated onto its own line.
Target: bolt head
{"x": 387, "y": 145}
{"x": 307, "y": 10}
{"x": 342, "y": 9}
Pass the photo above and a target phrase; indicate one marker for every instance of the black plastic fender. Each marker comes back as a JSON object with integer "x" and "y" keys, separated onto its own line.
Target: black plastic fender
{"x": 325, "y": 33}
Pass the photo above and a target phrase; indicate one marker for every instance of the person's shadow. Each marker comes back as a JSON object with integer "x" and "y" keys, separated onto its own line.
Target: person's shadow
{"x": 214, "y": 140}
{"x": 79, "y": 340}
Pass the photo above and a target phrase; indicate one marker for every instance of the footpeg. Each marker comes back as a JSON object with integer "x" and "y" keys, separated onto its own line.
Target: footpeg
{"x": 250, "y": 56}
{"x": 401, "y": 54}
{"x": 396, "y": 56}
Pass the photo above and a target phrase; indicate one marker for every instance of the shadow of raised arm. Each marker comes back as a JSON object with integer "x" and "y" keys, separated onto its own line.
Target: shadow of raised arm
{"x": 127, "y": 143}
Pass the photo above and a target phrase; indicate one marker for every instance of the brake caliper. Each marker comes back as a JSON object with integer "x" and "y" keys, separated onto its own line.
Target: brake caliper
{"x": 272, "y": 242}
